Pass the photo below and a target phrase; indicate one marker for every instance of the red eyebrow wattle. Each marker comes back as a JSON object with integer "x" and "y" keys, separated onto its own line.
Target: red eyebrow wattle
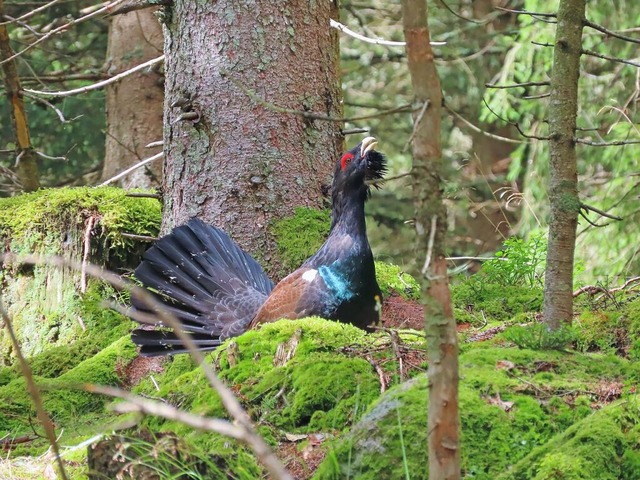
{"x": 346, "y": 158}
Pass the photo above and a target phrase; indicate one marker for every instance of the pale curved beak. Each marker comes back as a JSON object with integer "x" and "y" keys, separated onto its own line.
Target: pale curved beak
{"x": 368, "y": 144}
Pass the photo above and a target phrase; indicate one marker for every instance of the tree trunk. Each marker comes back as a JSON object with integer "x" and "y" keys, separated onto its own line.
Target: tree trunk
{"x": 442, "y": 343}
{"x": 134, "y": 105}
{"x": 231, "y": 156}
{"x": 563, "y": 179}
{"x": 27, "y": 166}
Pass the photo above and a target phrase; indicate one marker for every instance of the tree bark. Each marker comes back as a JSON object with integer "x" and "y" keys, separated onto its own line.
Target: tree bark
{"x": 134, "y": 105}
{"x": 231, "y": 158}
{"x": 27, "y": 166}
{"x": 563, "y": 179}
{"x": 430, "y": 222}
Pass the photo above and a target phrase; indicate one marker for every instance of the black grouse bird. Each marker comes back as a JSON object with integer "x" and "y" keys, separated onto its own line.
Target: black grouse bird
{"x": 218, "y": 291}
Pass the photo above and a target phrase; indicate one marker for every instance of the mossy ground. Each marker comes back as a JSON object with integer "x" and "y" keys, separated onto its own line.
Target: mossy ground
{"x": 526, "y": 413}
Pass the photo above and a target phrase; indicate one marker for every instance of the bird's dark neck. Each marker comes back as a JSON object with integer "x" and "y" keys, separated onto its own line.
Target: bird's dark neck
{"x": 348, "y": 234}
{"x": 347, "y": 215}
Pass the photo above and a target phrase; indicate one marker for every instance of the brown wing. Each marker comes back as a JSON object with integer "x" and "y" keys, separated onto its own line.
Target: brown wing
{"x": 300, "y": 294}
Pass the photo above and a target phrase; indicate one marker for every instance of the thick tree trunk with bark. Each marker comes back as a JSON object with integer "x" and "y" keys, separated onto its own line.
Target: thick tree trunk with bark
{"x": 27, "y": 166}
{"x": 134, "y": 105}
{"x": 563, "y": 179}
{"x": 232, "y": 157}
{"x": 442, "y": 343}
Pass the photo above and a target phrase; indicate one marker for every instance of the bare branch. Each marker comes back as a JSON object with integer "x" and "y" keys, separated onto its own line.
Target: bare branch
{"x": 607, "y": 144}
{"x": 375, "y": 41}
{"x": 131, "y": 169}
{"x": 610, "y": 58}
{"x": 524, "y": 84}
{"x": 525, "y": 12}
{"x": 479, "y": 130}
{"x": 142, "y": 238}
{"x": 589, "y": 208}
{"x": 536, "y": 97}
{"x": 515, "y": 124}
{"x": 31, "y": 13}
{"x": 96, "y": 86}
{"x": 135, "y": 403}
{"x": 461, "y": 17}
{"x": 611, "y": 33}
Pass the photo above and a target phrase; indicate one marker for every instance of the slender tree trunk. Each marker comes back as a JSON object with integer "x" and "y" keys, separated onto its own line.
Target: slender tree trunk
{"x": 442, "y": 343}
{"x": 27, "y": 166}
{"x": 563, "y": 179}
{"x": 231, "y": 156}
{"x": 134, "y": 105}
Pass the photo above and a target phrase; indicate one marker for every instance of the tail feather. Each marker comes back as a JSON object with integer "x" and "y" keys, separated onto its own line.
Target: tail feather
{"x": 206, "y": 280}
{"x": 154, "y": 343}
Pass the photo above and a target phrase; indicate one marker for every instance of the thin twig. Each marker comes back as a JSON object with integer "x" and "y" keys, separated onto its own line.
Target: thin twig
{"x": 514, "y": 85}
{"x": 131, "y": 169}
{"x": 607, "y": 144}
{"x": 34, "y": 392}
{"x": 460, "y": 16}
{"x": 375, "y": 41}
{"x": 31, "y": 13}
{"x": 379, "y": 371}
{"x": 98, "y": 85}
{"x": 479, "y": 130}
{"x": 584, "y": 206}
{"x": 85, "y": 256}
{"x": 416, "y": 124}
{"x": 610, "y": 58}
{"x": 157, "y": 196}
{"x": 135, "y": 403}
{"x": 611, "y": 33}
{"x": 525, "y": 12}
{"x": 388, "y": 179}
{"x": 432, "y": 237}
{"x": 142, "y": 238}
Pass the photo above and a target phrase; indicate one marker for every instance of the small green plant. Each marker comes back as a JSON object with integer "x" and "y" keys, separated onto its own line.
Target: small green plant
{"x": 538, "y": 337}
{"x": 519, "y": 263}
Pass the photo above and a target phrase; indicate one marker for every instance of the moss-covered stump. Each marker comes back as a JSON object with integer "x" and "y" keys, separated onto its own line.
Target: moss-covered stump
{"x": 522, "y": 412}
{"x": 45, "y": 303}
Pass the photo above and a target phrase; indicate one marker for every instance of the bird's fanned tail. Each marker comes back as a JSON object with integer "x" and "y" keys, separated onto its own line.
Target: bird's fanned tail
{"x": 206, "y": 280}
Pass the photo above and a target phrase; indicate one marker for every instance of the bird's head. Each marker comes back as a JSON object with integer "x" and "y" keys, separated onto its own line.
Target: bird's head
{"x": 358, "y": 166}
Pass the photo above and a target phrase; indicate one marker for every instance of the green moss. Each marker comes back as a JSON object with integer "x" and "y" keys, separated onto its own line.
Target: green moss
{"x": 37, "y": 220}
{"x": 62, "y": 398}
{"x": 484, "y": 300}
{"x": 507, "y": 412}
{"x": 601, "y": 331}
{"x": 601, "y": 446}
{"x": 392, "y": 279}
{"x": 299, "y": 236}
{"x": 319, "y": 388}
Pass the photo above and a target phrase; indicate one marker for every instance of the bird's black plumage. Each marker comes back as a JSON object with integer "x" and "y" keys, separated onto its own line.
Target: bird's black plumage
{"x": 217, "y": 291}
